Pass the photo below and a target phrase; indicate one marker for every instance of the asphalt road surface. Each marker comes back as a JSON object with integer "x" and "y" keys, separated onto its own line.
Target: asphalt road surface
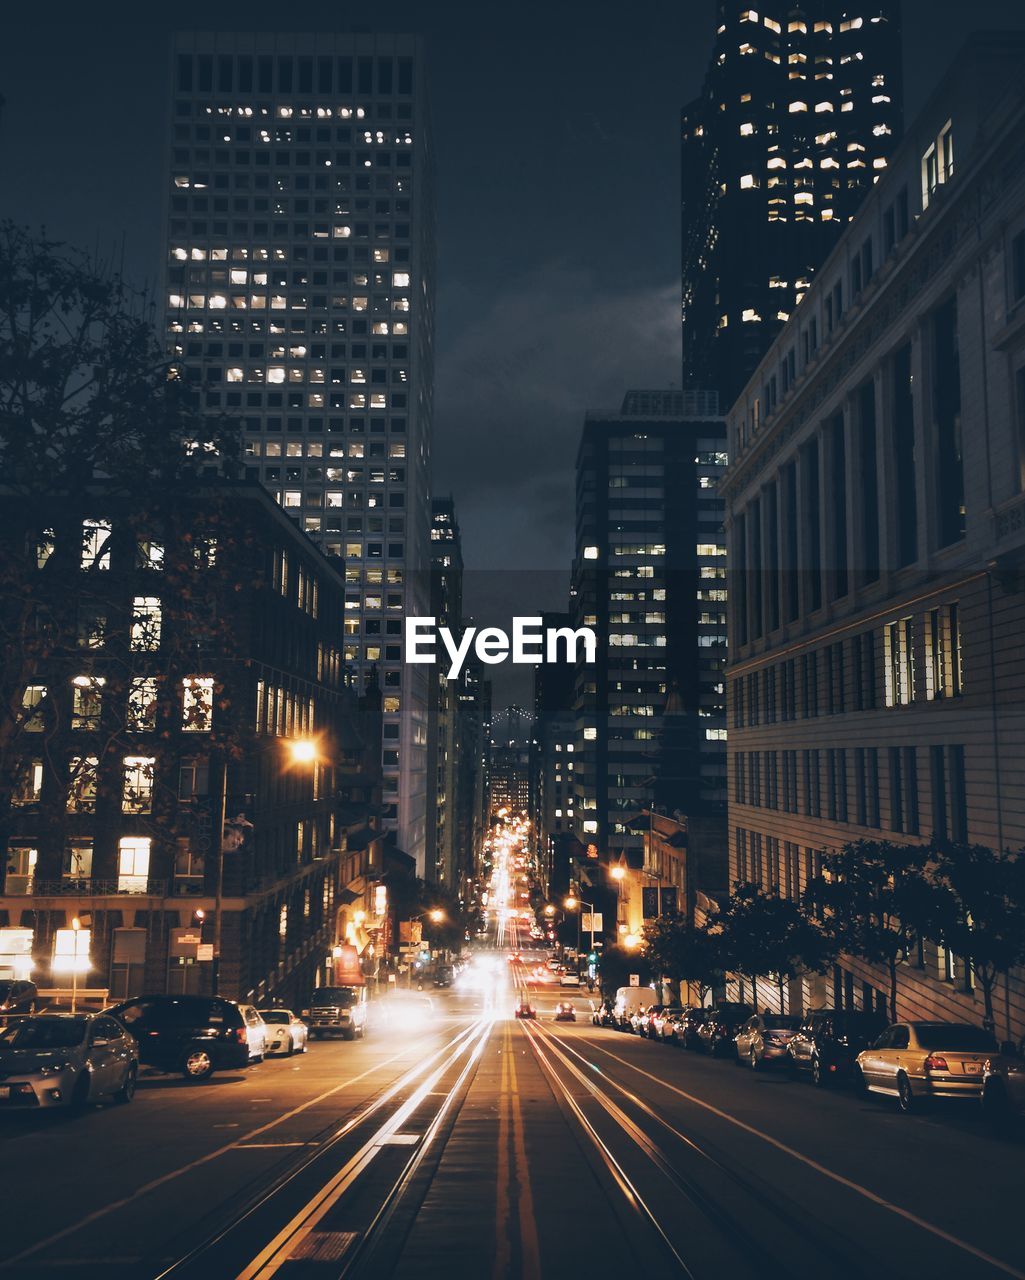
{"x": 456, "y": 1141}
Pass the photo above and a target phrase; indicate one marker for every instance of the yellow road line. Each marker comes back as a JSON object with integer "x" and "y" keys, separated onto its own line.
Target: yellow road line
{"x": 530, "y": 1257}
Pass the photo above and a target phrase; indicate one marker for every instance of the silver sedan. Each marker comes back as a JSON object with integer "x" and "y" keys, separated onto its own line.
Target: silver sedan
{"x": 66, "y": 1060}
{"x": 286, "y": 1034}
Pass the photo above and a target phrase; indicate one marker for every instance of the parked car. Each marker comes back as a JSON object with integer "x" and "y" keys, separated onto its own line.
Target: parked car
{"x": 196, "y": 1035}
{"x": 564, "y": 1012}
{"x": 660, "y": 1021}
{"x": 338, "y": 1011}
{"x": 630, "y": 1000}
{"x": 524, "y": 1009}
{"x": 602, "y": 1014}
{"x": 286, "y": 1034}
{"x": 829, "y": 1040}
{"x": 646, "y": 1026}
{"x": 762, "y": 1040}
{"x": 17, "y": 995}
{"x": 716, "y": 1031}
{"x": 673, "y": 1024}
{"x": 637, "y": 1018}
{"x": 1003, "y": 1089}
{"x": 918, "y": 1061}
{"x": 66, "y": 1060}
{"x": 688, "y": 1025}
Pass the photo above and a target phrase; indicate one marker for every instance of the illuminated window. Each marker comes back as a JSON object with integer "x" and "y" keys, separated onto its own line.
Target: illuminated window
{"x": 142, "y": 705}
{"x": 133, "y": 864}
{"x": 82, "y": 784}
{"x": 590, "y": 553}
{"x": 748, "y": 180}
{"x": 96, "y": 544}
{"x": 137, "y": 793}
{"x": 197, "y": 704}
{"x": 86, "y": 702}
{"x": 28, "y": 783}
{"x": 147, "y": 616}
{"x": 746, "y": 129}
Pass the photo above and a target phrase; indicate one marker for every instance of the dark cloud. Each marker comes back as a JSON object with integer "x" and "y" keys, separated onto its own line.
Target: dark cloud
{"x": 513, "y": 386}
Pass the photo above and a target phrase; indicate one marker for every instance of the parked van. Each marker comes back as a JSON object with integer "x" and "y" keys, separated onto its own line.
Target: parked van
{"x": 631, "y": 1000}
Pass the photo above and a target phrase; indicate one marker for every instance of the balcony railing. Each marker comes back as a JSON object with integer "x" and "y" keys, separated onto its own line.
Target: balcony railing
{"x": 73, "y": 888}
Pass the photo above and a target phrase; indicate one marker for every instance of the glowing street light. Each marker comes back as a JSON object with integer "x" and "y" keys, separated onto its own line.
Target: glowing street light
{"x": 571, "y": 903}
{"x": 618, "y": 873}
{"x": 303, "y": 751}
{"x": 437, "y": 915}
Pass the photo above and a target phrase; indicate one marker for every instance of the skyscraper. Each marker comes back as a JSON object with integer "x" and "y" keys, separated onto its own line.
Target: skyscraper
{"x": 650, "y": 577}
{"x": 800, "y": 109}
{"x": 443, "y": 704}
{"x": 299, "y": 274}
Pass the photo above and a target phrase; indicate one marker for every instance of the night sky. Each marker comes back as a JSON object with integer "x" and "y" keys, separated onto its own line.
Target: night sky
{"x": 558, "y": 228}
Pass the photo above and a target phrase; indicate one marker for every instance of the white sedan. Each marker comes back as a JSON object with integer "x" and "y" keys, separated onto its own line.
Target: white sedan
{"x": 286, "y": 1034}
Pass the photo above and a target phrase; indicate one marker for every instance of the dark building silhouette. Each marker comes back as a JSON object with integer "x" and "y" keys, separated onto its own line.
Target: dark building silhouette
{"x": 650, "y": 578}
{"x": 193, "y": 647}
{"x": 552, "y": 761}
{"x": 800, "y": 110}
{"x": 442, "y": 705}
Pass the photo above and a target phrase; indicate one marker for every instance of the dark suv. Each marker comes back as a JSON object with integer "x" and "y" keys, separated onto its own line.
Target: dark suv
{"x": 196, "y": 1035}
{"x": 715, "y": 1034}
{"x": 829, "y": 1040}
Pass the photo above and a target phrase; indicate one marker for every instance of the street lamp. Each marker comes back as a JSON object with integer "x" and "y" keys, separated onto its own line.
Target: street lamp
{"x": 76, "y": 925}
{"x": 302, "y": 751}
{"x": 571, "y": 904}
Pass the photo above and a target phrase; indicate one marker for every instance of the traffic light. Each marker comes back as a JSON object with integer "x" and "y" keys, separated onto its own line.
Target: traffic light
{"x": 592, "y": 957}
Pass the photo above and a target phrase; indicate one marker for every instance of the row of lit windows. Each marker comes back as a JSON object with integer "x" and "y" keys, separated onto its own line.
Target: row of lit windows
{"x": 87, "y": 704}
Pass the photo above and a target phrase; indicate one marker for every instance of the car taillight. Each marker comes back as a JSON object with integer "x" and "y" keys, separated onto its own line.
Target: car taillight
{"x": 242, "y": 1035}
{"x": 936, "y": 1062}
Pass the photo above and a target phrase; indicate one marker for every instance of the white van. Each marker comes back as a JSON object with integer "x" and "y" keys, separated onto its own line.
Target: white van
{"x": 630, "y": 1000}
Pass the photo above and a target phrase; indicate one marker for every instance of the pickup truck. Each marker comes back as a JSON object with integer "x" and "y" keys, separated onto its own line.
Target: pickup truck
{"x": 337, "y": 1011}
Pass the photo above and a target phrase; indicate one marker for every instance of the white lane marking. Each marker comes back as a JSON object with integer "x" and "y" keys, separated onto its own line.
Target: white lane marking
{"x": 856, "y": 1187}
{"x": 289, "y": 1240}
{"x": 267, "y": 1146}
{"x": 164, "y": 1178}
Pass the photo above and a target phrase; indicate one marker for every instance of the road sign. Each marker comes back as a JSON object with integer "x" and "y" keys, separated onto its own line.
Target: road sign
{"x": 591, "y": 921}
{"x": 635, "y": 979}
{"x": 205, "y": 951}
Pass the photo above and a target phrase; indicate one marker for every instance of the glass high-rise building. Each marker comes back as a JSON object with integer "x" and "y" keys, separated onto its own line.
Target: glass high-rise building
{"x": 800, "y": 110}
{"x": 649, "y": 576}
{"x": 299, "y": 296}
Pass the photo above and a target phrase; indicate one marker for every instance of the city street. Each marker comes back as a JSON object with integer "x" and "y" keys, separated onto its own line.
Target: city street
{"x": 512, "y": 1148}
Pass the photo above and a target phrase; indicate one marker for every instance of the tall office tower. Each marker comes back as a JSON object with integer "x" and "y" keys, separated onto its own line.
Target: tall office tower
{"x": 299, "y": 274}
{"x": 649, "y": 576}
{"x": 800, "y": 109}
{"x": 552, "y": 758}
{"x": 443, "y": 705}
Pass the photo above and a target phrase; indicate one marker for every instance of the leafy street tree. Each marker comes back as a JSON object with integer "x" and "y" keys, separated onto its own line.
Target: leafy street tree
{"x": 765, "y": 936}
{"x": 977, "y": 910}
{"x": 874, "y": 900}
{"x": 617, "y": 963}
{"x": 92, "y": 411}
{"x": 686, "y": 953}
